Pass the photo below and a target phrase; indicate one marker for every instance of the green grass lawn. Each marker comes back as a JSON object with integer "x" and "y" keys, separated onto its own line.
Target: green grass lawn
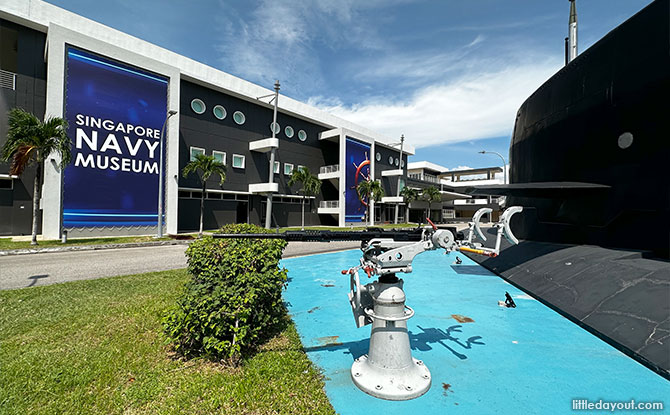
{"x": 95, "y": 347}
{"x": 7, "y": 243}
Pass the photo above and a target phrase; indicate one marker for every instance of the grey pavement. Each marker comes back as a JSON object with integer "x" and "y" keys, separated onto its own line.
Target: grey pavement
{"x": 20, "y": 271}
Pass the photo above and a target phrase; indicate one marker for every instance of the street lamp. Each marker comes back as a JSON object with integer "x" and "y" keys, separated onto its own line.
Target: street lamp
{"x": 397, "y": 192}
{"x": 159, "y": 233}
{"x": 268, "y": 203}
{"x": 503, "y": 160}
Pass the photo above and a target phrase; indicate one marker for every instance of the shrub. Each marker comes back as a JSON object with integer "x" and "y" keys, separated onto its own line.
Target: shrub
{"x": 233, "y": 300}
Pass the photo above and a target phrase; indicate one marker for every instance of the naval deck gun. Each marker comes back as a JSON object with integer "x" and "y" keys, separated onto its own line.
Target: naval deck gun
{"x": 389, "y": 371}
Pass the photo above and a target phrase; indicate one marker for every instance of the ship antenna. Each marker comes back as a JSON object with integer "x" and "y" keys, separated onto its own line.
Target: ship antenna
{"x": 572, "y": 33}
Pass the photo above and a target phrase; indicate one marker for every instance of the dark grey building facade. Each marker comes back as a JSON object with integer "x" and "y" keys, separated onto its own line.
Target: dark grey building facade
{"x": 217, "y": 115}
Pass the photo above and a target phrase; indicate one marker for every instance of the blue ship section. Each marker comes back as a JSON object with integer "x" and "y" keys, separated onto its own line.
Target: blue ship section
{"x": 483, "y": 358}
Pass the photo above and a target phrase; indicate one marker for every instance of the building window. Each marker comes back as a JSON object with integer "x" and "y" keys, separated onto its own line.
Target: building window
{"x": 289, "y": 131}
{"x": 378, "y": 213}
{"x": 275, "y": 170}
{"x": 6, "y": 184}
{"x": 300, "y": 167}
{"x": 238, "y": 161}
{"x": 397, "y": 162}
{"x": 391, "y": 160}
{"x": 302, "y": 135}
{"x": 430, "y": 178}
{"x": 239, "y": 117}
{"x": 219, "y": 112}
{"x": 389, "y": 213}
{"x": 219, "y": 156}
{"x": 288, "y": 169}
{"x": 379, "y": 156}
{"x": 402, "y": 163}
{"x": 195, "y": 151}
{"x": 9, "y": 50}
{"x": 198, "y": 106}
{"x": 274, "y": 127}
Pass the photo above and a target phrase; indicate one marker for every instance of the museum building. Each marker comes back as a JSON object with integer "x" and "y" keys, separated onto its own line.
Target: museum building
{"x": 117, "y": 93}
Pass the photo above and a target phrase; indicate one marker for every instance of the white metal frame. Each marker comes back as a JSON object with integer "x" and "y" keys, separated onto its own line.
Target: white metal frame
{"x": 190, "y": 152}
{"x": 239, "y": 156}
{"x": 223, "y": 153}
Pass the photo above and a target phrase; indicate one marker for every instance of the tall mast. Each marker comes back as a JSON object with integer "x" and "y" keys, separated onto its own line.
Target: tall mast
{"x": 572, "y": 32}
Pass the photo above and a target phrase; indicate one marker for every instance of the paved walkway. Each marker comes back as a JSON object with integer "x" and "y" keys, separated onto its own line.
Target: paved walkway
{"x": 55, "y": 265}
{"x": 20, "y": 271}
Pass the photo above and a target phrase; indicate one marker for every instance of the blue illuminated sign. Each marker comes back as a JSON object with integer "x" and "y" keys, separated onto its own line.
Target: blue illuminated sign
{"x": 357, "y": 169}
{"x": 115, "y": 113}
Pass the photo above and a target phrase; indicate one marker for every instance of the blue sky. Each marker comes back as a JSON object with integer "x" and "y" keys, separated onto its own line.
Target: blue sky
{"x": 447, "y": 74}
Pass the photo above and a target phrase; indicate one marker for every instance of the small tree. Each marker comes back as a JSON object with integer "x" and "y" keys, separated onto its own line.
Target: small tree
{"x": 431, "y": 195}
{"x": 31, "y": 140}
{"x": 410, "y": 195}
{"x": 310, "y": 186}
{"x": 207, "y": 165}
{"x": 371, "y": 190}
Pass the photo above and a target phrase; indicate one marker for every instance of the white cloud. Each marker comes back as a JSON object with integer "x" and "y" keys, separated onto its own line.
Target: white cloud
{"x": 475, "y": 105}
{"x": 475, "y": 41}
{"x": 279, "y": 39}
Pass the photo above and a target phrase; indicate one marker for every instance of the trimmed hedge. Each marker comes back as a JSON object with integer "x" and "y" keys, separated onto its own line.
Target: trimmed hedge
{"x": 233, "y": 300}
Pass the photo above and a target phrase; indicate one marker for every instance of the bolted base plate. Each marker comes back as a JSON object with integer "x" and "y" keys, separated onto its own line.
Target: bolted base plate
{"x": 391, "y": 384}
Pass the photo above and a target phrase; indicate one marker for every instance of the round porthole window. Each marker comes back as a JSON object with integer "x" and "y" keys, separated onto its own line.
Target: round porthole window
{"x": 379, "y": 156}
{"x": 302, "y": 135}
{"x": 219, "y": 112}
{"x": 402, "y": 163}
{"x": 391, "y": 160}
{"x": 397, "y": 163}
{"x": 239, "y": 117}
{"x": 289, "y": 131}
{"x": 625, "y": 140}
{"x": 198, "y": 106}
{"x": 274, "y": 127}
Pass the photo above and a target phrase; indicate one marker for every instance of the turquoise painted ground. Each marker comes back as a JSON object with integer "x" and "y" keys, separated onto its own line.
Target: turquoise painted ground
{"x": 524, "y": 360}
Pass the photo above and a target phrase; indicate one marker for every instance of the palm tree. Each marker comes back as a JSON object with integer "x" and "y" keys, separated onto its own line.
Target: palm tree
{"x": 31, "y": 140}
{"x": 431, "y": 195}
{"x": 311, "y": 186}
{"x": 371, "y": 190}
{"x": 207, "y": 165}
{"x": 409, "y": 194}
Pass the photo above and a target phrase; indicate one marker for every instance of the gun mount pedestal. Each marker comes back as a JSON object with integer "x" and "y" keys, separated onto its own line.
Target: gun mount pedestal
{"x": 389, "y": 371}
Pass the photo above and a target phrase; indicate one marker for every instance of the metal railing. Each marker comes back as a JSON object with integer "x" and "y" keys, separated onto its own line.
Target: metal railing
{"x": 424, "y": 178}
{"x": 7, "y": 79}
{"x": 333, "y": 168}
{"x": 329, "y": 204}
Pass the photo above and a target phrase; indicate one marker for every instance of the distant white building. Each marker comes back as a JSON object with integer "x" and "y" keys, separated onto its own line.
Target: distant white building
{"x": 455, "y": 205}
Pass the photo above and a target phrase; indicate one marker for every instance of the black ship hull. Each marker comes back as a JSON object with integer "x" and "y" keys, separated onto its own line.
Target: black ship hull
{"x": 603, "y": 119}
{"x": 590, "y": 164}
